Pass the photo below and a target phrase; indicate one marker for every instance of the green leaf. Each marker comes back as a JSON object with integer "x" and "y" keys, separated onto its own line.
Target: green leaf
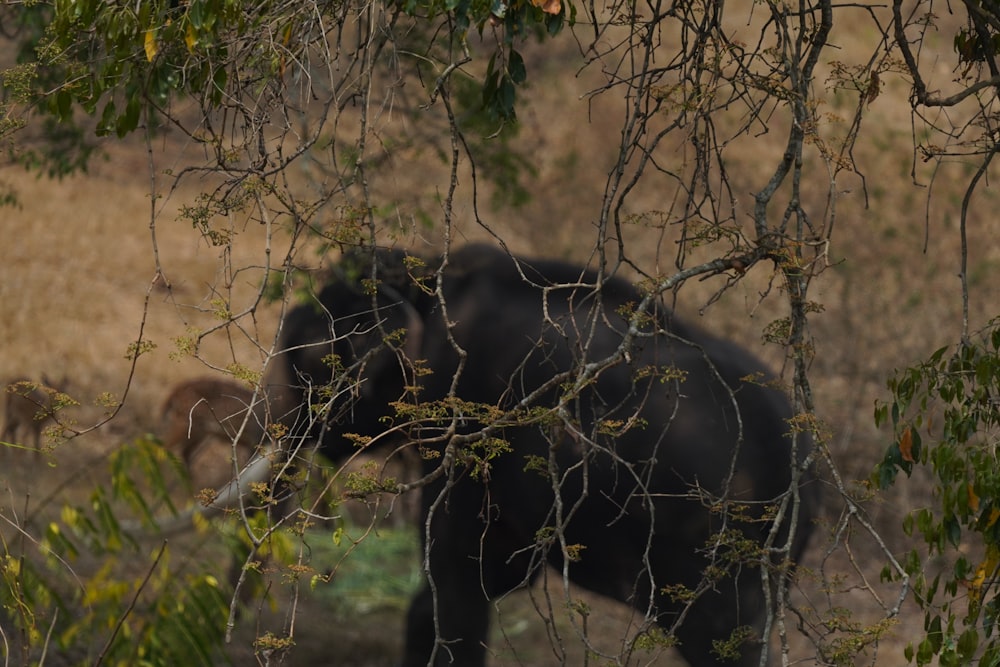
{"x": 64, "y": 104}
{"x": 925, "y": 652}
{"x": 490, "y": 83}
{"x": 908, "y": 525}
{"x": 886, "y": 476}
{"x": 934, "y": 634}
{"x": 953, "y": 530}
{"x": 219, "y": 79}
{"x": 515, "y": 65}
{"x": 507, "y": 96}
{"x": 968, "y": 642}
{"x": 106, "y": 124}
{"x": 881, "y": 413}
{"x": 129, "y": 120}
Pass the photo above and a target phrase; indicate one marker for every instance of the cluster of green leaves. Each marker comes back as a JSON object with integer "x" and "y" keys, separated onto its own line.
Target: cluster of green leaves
{"x": 952, "y": 399}
{"x": 514, "y": 20}
{"x": 979, "y": 42}
{"x": 114, "y": 60}
{"x": 86, "y": 591}
{"x": 368, "y": 481}
{"x": 125, "y": 64}
{"x": 496, "y": 158}
{"x": 518, "y": 17}
{"x": 480, "y": 453}
{"x": 506, "y": 70}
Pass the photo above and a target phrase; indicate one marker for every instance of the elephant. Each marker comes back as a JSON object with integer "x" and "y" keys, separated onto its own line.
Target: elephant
{"x": 559, "y": 424}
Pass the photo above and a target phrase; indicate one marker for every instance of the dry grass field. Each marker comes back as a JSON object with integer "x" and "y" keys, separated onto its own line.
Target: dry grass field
{"x": 77, "y": 286}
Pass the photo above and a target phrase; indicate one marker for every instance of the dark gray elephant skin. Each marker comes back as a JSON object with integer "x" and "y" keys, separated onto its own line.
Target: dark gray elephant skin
{"x": 638, "y": 454}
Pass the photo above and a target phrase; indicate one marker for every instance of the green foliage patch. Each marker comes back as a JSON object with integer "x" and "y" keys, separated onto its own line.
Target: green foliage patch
{"x": 945, "y": 417}
{"x": 89, "y": 592}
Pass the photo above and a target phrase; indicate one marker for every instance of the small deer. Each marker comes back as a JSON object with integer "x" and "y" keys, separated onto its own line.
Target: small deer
{"x": 200, "y": 421}
{"x": 28, "y": 406}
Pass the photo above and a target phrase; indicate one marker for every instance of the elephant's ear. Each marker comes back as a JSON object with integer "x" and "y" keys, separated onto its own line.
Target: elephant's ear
{"x": 282, "y": 391}
{"x": 391, "y": 266}
{"x": 414, "y": 325}
{"x": 388, "y": 367}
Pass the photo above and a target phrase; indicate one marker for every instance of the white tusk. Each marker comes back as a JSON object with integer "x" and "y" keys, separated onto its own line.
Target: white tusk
{"x": 227, "y": 498}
